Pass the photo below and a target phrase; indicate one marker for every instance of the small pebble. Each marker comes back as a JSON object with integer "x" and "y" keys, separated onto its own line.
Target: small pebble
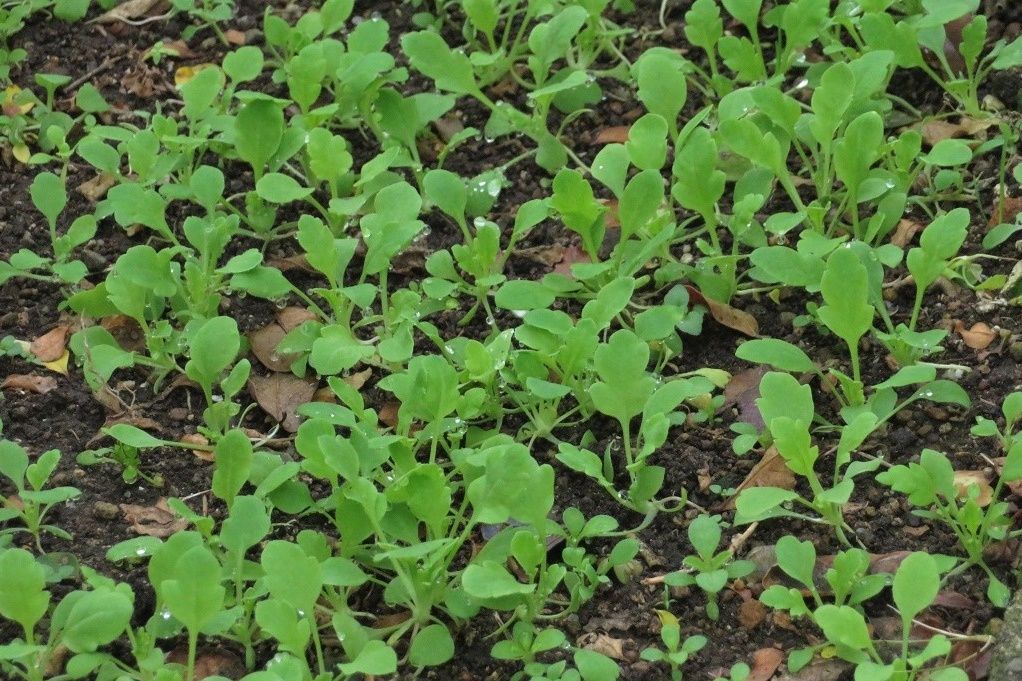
{"x": 104, "y": 510}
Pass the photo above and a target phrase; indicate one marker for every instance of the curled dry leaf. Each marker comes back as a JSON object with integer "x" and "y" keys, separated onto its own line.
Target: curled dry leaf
{"x": 978, "y": 337}
{"x": 939, "y": 130}
{"x": 905, "y": 232}
{"x": 280, "y": 395}
{"x": 264, "y": 344}
{"x": 966, "y": 479}
{"x": 359, "y": 378}
{"x": 771, "y": 471}
{"x": 1005, "y": 212}
{"x": 613, "y": 648}
{"x": 742, "y": 391}
{"x": 126, "y": 332}
{"x": 153, "y": 521}
{"x": 617, "y": 134}
{"x": 96, "y": 188}
{"x": 50, "y": 346}
{"x": 765, "y": 662}
{"x": 388, "y": 413}
{"x": 235, "y": 37}
{"x": 725, "y": 315}
{"x": 571, "y": 255}
{"x": 127, "y": 11}
{"x": 29, "y": 383}
{"x": 197, "y": 439}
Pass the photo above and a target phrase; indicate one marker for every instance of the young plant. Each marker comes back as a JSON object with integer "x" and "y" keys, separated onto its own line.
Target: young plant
{"x": 939, "y": 243}
{"x": 708, "y": 569}
{"x": 675, "y": 652}
{"x": 32, "y": 501}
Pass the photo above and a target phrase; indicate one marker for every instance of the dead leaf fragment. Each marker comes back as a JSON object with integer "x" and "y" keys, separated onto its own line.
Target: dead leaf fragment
{"x": 1005, "y": 212}
{"x": 50, "y": 346}
{"x": 280, "y": 395}
{"x": 771, "y": 471}
{"x": 292, "y": 317}
{"x": 939, "y": 130}
{"x": 905, "y": 232}
{"x": 359, "y": 378}
{"x": 821, "y": 670}
{"x": 96, "y": 188}
{"x": 197, "y": 439}
{"x": 964, "y": 480}
{"x": 210, "y": 662}
{"x": 978, "y": 337}
{"x": 725, "y": 315}
{"x": 153, "y": 521}
{"x": 235, "y": 37}
{"x": 751, "y": 613}
{"x": 59, "y": 365}
{"x": 613, "y": 648}
{"x": 127, "y": 11}
{"x": 765, "y": 662}
{"x": 29, "y": 383}
{"x": 264, "y": 344}
{"x": 388, "y": 413}
{"x": 615, "y": 134}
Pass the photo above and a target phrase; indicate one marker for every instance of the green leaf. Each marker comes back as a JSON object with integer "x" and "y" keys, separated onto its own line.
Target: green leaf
{"x": 292, "y": 575}
{"x": 242, "y": 65}
{"x": 844, "y": 626}
{"x": 782, "y": 395}
{"x": 375, "y": 659}
{"x": 777, "y": 353}
{"x": 624, "y": 384}
{"x": 757, "y": 503}
{"x": 430, "y": 55}
{"x": 432, "y": 646}
{"x": 22, "y": 596}
{"x": 48, "y": 196}
{"x": 280, "y": 188}
{"x": 847, "y": 311}
{"x": 647, "y": 142}
{"x": 132, "y": 436}
{"x": 594, "y": 666}
{"x": 915, "y": 586}
{"x": 194, "y": 595}
{"x": 949, "y": 153}
{"x": 214, "y": 347}
{"x": 96, "y": 619}
{"x": 258, "y": 129}
{"x": 490, "y": 579}
{"x": 233, "y": 465}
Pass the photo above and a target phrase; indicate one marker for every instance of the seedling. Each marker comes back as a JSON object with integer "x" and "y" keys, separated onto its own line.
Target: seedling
{"x": 33, "y": 501}
{"x": 675, "y": 652}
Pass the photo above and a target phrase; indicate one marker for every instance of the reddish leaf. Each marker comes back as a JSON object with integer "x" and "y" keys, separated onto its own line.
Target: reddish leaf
{"x": 732, "y": 318}
{"x": 771, "y": 471}
{"x": 50, "y": 346}
{"x": 978, "y": 337}
{"x": 29, "y": 383}
{"x": 153, "y": 521}
{"x": 765, "y": 662}
{"x": 280, "y": 395}
{"x": 264, "y": 344}
{"x": 617, "y": 134}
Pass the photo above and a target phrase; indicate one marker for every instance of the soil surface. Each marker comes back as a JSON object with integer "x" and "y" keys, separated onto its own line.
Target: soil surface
{"x": 698, "y": 459}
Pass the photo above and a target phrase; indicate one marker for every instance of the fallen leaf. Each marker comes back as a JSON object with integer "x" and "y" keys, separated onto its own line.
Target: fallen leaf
{"x": 153, "y": 521}
{"x": 292, "y": 317}
{"x": 448, "y": 126}
{"x": 939, "y": 130}
{"x": 549, "y": 255}
{"x": 50, "y": 346}
{"x": 264, "y": 344}
{"x": 210, "y": 662}
{"x": 613, "y": 648}
{"x": 751, "y": 613}
{"x": 292, "y": 262}
{"x": 59, "y": 365}
{"x": 280, "y": 395}
{"x": 392, "y": 619}
{"x": 96, "y": 188}
{"x": 359, "y": 378}
{"x": 765, "y": 662}
{"x": 732, "y": 318}
{"x": 978, "y": 337}
{"x": 820, "y": 670}
{"x": 126, "y": 11}
{"x": 388, "y": 413}
{"x": 1006, "y": 211}
{"x": 742, "y": 391}
{"x": 144, "y": 82}
{"x": 771, "y": 471}
{"x": 197, "y": 439}
{"x": 29, "y": 383}
{"x": 953, "y": 599}
{"x": 179, "y": 47}
{"x": 617, "y": 134}
{"x": 966, "y": 479}
{"x": 235, "y": 37}
{"x": 126, "y": 332}
{"x": 569, "y": 256}
{"x": 905, "y": 232}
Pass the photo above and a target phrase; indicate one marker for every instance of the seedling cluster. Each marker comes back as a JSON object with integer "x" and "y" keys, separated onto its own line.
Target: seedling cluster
{"x": 372, "y": 182}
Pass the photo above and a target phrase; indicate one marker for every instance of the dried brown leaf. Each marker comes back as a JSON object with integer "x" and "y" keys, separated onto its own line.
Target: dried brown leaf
{"x": 765, "y": 662}
{"x": 291, "y": 317}
{"x": 751, "y": 613}
{"x": 127, "y": 11}
{"x": 1005, "y": 211}
{"x": 388, "y": 413}
{"x": 280, "y": 395}
{"x": 616, "y": 134}
{"x": 50, "y": 346}
{"x": 264, "y": 344}
{"x": 154, "y": 521}
{"x": 821, "y": 670}
{"x": 771, "y": 471}
{"x": 964, "y": 480}
{"x": 126, "y": 332}
{"x": 210, "y": 662}
{"x": 724, "y": 314}
{"x": 613, "y": 648}
{"x": 978, "y": 337}
{"x": 29, "y": 383}
{"x": 235, "y": 37}
{"x": 359, "y": 378}
{"x": 905, "y": 232}
{"x": 197, "y": 439}
{"x": 96, "y": 188}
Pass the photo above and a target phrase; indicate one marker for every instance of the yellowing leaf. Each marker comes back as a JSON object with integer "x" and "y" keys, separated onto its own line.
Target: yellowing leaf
{"x": 60, "y": 364}
{"x": 667, "y": 618}
{"x": 186, "y": 73}
{"x": 21, "y": 152}
{"x": 10, "y": 100}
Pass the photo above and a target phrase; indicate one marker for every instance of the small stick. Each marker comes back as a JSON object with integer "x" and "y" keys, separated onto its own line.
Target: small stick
{"x": 103, "y": 66}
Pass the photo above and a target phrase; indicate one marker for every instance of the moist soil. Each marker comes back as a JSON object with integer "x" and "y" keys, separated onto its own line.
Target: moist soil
{"x": 698, "y": 458}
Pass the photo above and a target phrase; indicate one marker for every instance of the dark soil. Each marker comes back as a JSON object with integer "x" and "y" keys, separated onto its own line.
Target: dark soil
{"x": 697, "y": 458}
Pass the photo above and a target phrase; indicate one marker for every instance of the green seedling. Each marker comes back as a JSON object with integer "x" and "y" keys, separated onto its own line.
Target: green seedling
{"x": 33, "y": 501}
{"x": 675, "y": 652}
{"x": 81, "y": 622}
{"x": 932, "y": 487}
{"x": 124, "y": 457}
{"x": 708, "y": 569}
{"x": 938, "y": 244}
{"x": 847, "y": 310}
